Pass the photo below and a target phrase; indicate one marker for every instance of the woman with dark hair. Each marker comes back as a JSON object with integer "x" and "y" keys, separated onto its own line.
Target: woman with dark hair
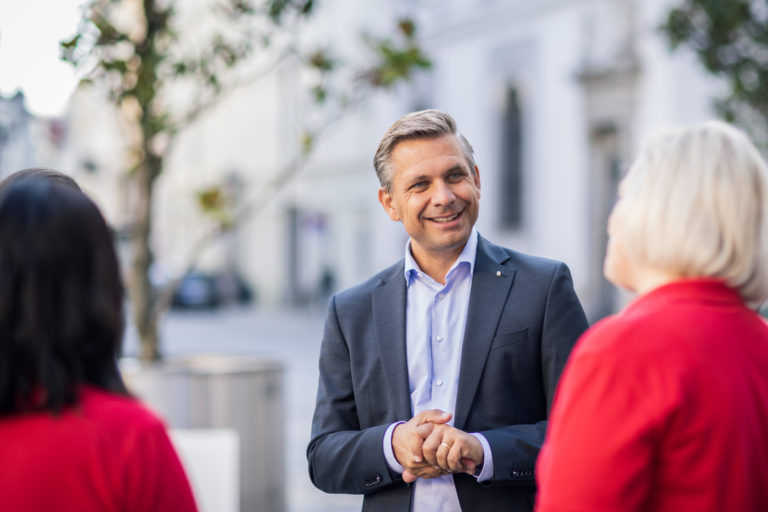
{"x": 71, "y": 436}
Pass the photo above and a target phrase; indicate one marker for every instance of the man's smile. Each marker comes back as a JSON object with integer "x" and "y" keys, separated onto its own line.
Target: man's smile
{"x": 446, "y": 219}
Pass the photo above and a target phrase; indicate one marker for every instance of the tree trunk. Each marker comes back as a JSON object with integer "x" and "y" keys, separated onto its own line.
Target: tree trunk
{"x": 140, "y": 288}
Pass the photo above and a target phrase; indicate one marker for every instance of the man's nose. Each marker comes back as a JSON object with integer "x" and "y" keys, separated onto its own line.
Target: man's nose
{"x": 443, "y": 194}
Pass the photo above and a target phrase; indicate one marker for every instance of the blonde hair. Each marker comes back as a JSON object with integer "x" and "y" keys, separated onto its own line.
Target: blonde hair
{"x": 694, "y": 204}
{"x": 424, "y": 124}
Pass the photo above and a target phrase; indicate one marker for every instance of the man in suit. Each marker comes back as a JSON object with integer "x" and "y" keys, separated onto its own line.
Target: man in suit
{"x": 437, "y": 374}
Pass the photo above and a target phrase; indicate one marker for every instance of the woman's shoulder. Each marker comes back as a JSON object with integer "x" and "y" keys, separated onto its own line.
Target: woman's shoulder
{"x": 630, "y": 355}
{"x": 117, "y": 412}
{"x": 626, "y": 335}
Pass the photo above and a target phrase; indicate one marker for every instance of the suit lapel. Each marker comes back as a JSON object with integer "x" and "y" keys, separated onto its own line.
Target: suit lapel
{"x": 491, "y": 283}
{"x": 388, "y": 301}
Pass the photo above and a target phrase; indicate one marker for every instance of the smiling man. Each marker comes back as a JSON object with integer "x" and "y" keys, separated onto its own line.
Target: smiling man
{"x": 437, "y": 374}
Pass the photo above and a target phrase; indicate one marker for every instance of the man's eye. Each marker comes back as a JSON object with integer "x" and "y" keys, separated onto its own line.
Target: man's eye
{"x": 419, "y": 184}
{"x": 456, "y": 176}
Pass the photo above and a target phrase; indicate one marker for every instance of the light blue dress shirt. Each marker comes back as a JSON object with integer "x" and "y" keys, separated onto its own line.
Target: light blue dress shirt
{"x": 435, "y": 318}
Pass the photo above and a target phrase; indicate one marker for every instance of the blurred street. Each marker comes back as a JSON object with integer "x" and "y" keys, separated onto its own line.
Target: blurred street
{"x": 290, "y": 336}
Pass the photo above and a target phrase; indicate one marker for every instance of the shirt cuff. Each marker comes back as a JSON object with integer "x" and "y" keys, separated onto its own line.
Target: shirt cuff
{"x": 487, "y": 471}
{"x": 389, "y": 453}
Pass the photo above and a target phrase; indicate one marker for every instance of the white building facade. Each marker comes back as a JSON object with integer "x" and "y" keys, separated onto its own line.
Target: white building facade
{"x": 26, "y": 140}
{"x": 555, "y": 96}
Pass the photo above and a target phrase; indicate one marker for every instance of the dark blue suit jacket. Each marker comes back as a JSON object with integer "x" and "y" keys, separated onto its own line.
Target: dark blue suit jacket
{"x": 522, "y": 322}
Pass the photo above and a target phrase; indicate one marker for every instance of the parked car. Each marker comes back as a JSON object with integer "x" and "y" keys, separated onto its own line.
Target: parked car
{"x": 207, "y": 291}
{"x": 196, "y": 290}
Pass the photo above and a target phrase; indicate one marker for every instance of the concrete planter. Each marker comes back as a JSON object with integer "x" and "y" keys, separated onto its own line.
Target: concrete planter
{"x": 242, "y": 393}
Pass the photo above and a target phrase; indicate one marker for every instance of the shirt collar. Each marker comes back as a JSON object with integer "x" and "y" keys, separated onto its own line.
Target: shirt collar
{"x": 467, "y": 255}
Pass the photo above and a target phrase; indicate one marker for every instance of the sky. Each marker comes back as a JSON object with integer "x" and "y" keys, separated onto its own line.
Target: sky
{"x": 30, "y": 31}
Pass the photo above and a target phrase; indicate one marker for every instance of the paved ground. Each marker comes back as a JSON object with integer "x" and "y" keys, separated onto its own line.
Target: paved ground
{"x": 290, "y": 336}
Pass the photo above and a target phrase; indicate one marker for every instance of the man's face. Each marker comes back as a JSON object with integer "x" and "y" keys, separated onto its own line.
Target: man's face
{"x": 434, "y": 193}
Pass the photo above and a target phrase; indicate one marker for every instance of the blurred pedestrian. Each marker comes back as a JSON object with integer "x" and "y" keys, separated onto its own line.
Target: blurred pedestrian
{"x": 439, "y": 371}
{"x": 71, "y": 436}
{"x": 664, "y": 407}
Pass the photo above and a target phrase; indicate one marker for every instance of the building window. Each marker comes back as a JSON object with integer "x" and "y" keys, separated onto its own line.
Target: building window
{"x": 511, "y": 209}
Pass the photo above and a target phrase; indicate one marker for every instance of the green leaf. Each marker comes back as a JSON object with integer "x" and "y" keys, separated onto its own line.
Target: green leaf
{"x": 216, "y": 204}
{"x": 71, "y": 43}
{"x": 115, "y": 65}
{"x": 306, "y": 8}
{"x": 276, "y": 9}
{"x": 321, "y": 61}
{"x": 730, "y": 39}
{"x": 307, "y": 143}
{"x": 180, "y": 68}
{"x": 211, "y": 198}
{"x": 407, "y": 27}
{"x": 319, "y": 93}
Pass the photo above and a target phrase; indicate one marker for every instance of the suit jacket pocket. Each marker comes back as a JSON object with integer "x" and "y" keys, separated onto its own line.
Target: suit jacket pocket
{"x": 509, "y": 338}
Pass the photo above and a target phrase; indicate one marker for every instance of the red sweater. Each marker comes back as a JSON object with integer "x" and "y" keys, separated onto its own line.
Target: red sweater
{"x": 108, "y": 453}
{"x": 663, "y": 407}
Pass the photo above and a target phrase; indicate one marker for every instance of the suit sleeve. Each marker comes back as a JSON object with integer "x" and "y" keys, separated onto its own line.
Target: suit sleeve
{"x": 343, "y": 458}
{"x": 516, "y": 447}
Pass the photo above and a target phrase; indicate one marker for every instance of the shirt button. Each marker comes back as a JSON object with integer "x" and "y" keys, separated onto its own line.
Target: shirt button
{"x": 440, "y": 295}
{"x": 439, "y": 338}
{"x": 439, "y": 382}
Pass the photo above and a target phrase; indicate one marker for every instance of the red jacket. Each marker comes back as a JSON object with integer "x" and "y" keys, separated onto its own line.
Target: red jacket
{"x": 107, "y": 453}
{"x": 663, "y": 407}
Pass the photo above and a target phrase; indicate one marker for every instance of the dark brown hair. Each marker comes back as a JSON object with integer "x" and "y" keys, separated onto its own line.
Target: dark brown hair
{"x": 41, "y": 173}
{"x": 61, "y": 315}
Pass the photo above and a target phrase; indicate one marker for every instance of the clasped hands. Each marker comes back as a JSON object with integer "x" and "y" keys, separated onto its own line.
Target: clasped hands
{"x": 427, "y": 447}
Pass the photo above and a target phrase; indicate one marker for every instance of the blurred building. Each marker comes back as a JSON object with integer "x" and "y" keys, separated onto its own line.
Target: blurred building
{"x": 16, "y": 145}
{"x": 324, "y": 229}
{"x": 26, "y": 140}
{"x": 555, "y": 95}
{"x": 83, "y": 143}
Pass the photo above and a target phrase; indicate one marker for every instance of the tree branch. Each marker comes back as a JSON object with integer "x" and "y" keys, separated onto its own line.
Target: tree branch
{"x": 190, "y": 116}
{"x": 252, "y": 208}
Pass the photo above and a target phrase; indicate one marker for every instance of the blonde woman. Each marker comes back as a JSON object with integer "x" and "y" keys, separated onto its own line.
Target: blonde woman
{"x": 664, "y": 407}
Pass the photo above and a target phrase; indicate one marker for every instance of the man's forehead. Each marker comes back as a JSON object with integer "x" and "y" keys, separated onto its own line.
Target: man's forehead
{"x": 408, "y": 153}
{"x": 430, "y": 167}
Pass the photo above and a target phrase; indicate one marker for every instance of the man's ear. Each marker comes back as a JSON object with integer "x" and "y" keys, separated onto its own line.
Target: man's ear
{"x": 385, "y": 198}
{"x": 477, "y": 180}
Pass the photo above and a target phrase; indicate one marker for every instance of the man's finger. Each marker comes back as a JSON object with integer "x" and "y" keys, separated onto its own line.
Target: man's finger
{"x": 453, "y": 458}
{"x": 432, "y": 445}
{"x": 425, "y": 429}
{"x": 424, "y": 471}
{"x": 434, "y": 416}
{"x": 443, "y": 453}
{"x": 415, "y": 446}
{"x": 469, "y": 465}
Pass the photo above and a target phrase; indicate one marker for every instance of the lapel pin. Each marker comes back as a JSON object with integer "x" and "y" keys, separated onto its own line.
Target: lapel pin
{"x": 498, "y": 273}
